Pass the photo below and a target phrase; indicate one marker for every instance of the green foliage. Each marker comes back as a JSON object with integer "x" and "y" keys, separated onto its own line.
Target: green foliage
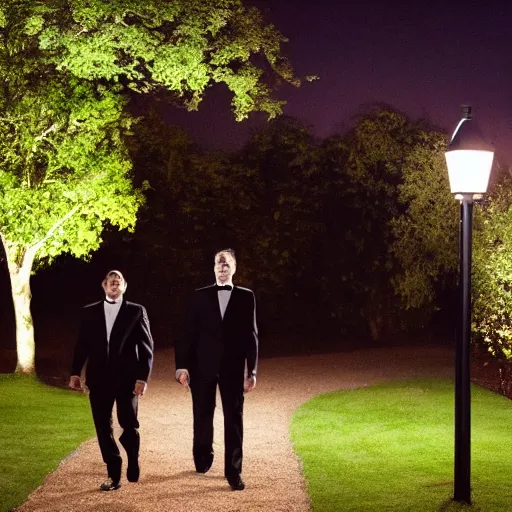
{"x": 492, "y": 268}
{"x": 367, "y": 170}
{"x": 283, "y": 156}
{"x": 66, "y": 65}
{"x": 426, "y": 232}
{"x": 64, "y": 170}
{"x": 282, "y": 244}
{"x": 362, "y": 226}
{"x": 339, "y": 222}
{"x": 68, "y": 68}
{"x": 262, "y": 201}
{"x": 182, "y": 46}
{"x": 426, "y": 245}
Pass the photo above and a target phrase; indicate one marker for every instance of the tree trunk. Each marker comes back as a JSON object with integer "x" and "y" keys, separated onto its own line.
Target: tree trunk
{"x": 20, "y": 260}
{"x": 374, "y": 319}
{"x": 374, "y": 324}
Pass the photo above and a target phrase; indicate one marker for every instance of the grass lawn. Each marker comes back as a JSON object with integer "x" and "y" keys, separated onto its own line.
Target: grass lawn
{"x": 39, "y": 426}
{"x": 390, "y": 447}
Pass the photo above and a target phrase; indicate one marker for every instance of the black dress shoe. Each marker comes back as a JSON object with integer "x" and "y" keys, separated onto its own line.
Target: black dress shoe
{"x": 204, "y": 463}
{"x": 236, "y": 483}
{"x": 203, "y": 468}
{"x": 109, "y": 485}
{"x": 133, "y": 470}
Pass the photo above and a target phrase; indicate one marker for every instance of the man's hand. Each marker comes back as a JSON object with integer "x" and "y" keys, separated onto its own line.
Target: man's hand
{"x": 250, "y": 383}
{"x": 183, "y": 379}
{"x": 140, "y": 388}
{"x": 74, "y": 383}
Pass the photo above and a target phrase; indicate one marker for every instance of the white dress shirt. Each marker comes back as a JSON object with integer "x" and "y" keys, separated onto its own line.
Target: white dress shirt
{"x": 111, "y": 312}
{"x": 224, "y": 296}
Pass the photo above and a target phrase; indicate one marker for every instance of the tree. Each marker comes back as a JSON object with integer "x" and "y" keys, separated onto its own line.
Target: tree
{"x": 366, "y": 206}
{"x": 427, "y": 245}
{"x": 68, "y": 67}
{"x": 492, "y": 271}
{"x": 260, "y": 201}
{"x": 365, "y": 165}
{"x": 282, "y": 240}
{"x": 426, "y": 233}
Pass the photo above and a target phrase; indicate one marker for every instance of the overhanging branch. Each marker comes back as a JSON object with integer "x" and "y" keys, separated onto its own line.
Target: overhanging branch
{"x": 52, "y": 230}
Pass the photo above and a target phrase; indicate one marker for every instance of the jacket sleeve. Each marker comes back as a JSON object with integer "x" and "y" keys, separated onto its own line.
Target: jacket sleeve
{"x": 252, "y": 348}
{"x": 145, "y": 347}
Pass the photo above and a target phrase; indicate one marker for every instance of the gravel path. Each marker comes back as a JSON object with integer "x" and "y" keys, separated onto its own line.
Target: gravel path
{"x": 272, "y": 473}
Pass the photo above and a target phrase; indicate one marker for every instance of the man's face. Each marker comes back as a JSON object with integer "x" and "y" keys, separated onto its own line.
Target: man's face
{"x": 114, "y": 286}
{"x": 224, "y": 268}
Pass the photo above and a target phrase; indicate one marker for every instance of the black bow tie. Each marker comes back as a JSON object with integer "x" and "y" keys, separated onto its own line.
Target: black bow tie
{"x": 226, "y": 287}
{"x": 110, "y": 301}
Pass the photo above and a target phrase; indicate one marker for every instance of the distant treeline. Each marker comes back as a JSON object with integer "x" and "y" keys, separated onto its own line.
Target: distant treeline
{"x": 350, "y": 237}
{"x": 323, "y": 229}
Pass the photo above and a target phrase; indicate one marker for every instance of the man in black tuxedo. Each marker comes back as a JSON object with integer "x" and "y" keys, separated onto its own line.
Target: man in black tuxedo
{"x": 115, "y": 342}
{"x": 220, "y": 339}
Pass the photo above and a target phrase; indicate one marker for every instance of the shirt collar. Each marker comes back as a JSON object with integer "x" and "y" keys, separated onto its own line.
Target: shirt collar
{"x": 109, "y": 301}
{"x": 230, "y": 283}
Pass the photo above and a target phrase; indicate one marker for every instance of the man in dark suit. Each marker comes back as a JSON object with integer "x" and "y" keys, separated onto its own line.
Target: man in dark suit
{"x": 220, "y": 339}
{"x": 115, "y": 342}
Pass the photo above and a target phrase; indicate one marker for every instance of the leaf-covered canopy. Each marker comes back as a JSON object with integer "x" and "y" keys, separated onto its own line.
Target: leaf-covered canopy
{"x": 66, "y": 66}
{"x": 181, "y": 45}
{"x": 62, "y": 158}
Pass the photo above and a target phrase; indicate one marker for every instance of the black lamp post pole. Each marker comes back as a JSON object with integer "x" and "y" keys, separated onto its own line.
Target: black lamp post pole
{"x": 462, "y": 491}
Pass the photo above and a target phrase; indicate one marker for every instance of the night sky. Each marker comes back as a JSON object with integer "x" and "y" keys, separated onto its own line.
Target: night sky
{"x": 423, "y": 58}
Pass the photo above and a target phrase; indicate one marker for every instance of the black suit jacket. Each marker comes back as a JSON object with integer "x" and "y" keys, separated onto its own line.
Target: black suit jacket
{"x": 212, "y": 345}
{"x": 126, "y": 358}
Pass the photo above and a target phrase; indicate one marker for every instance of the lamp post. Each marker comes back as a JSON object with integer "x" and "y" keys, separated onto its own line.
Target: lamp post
{"x": 469, "y": 160}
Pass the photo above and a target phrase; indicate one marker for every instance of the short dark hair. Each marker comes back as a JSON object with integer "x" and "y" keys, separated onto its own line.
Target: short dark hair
{"x": 229, "y": 251}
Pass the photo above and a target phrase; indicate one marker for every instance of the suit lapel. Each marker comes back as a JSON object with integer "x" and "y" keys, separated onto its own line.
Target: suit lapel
{"x": 214, "y": 301}
{"x": 120, "y": 324}
{"x": 232, "y": 298}
{"x": 102, "y": 321}
{"x": 100, "y": 328}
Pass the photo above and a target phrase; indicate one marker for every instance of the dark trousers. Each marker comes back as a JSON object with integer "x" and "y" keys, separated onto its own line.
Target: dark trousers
{"x": 102, "y": 404}
{"x": 203, "y": 400}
